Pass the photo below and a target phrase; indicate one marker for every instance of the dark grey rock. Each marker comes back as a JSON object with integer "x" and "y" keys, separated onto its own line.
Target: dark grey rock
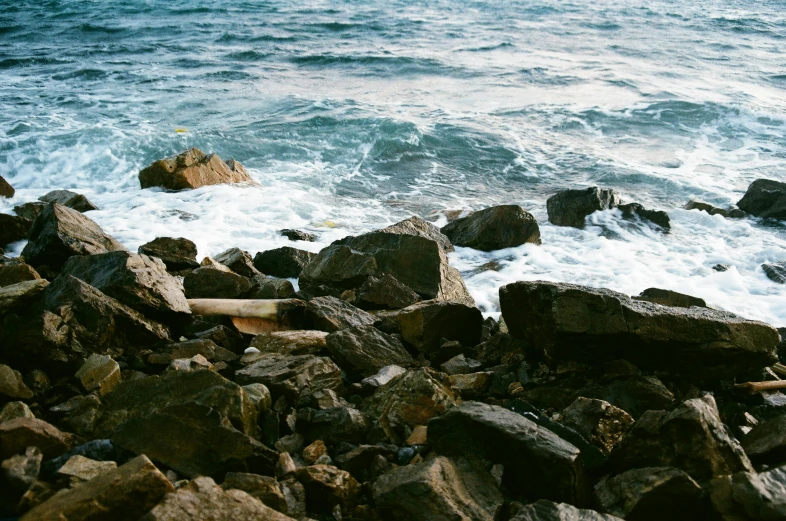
{"x": 765, "y": 198}
{"x": 13, "y": 228}
{"x": 78, "y": 202}
{"x": 766, "y": 442}
{"x": 364, "y": 350}
{"x": 384, "y": 293}
{"x": 600, "y": 422}
{"x": 209, "y": 282}
{"x": 494, "y": 228}
{"x": 571, "y": 207}
{"x": 284, "y": 262}
{"x": 666, "y": 297}
{"x": 30, "y": 210}
{"x": 298, "y": 235}
{"x": 263, "y": 287}
{"x": 714, "y": 210}
{"x": 420, "y": 228}
{"x": 331, "y": 314}
{"x": 177, "y": 253}
{"x": 238, "y": 261}
{"x": 426, "y": 324}
{"x": 336, "y": 424}
{"x": 292, "y": 375}
{"x": 775, "y": 271}
{"x": 749, "y": 496}
{"x": 543, "y": 510}
{"x": 635, "y": 210}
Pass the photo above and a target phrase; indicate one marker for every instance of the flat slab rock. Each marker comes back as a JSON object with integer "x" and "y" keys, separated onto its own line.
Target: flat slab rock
{"x": 569, "y": 322}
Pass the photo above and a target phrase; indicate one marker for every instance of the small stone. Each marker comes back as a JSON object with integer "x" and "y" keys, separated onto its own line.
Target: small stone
{"x": 600, "y": 422}
{"x": 12, "y": 385}
{"x": 331, "y": 314}
{"x": 721, "y": 267}
{"x": 285, "y": 465}
{"x": 327, "y": 399}
{"x": 264, "y": 287}
{"x": 766, "y": 442}
{"x": 459, "y": 364}
{"x": 298, "y": 235}
{"x": 419, "y": 435}
{"x": 79, "y": 468}
{"x": 426, "y": 324}
{"x": 365, "y": 350}
{"x": 99, "y": 372}
{"x": 633, "y": 211}
{"x": 292, "y": 375}
{"x": 385, "y": 292}
{"x": 314, "y": 451}
{"x": 18, "y": 473}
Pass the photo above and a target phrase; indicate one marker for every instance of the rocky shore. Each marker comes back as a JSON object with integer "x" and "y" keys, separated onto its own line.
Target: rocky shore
{"x": 156, "y": 386}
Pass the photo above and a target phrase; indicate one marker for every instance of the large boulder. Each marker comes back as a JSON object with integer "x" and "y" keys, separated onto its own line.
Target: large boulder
{"x": 211, "y": 282}
{"x": 426, "y": 324}
{"x": 331, "y": 314}
{"x": 494, "y": 228}
{"x": 60, "y": 232}
{"x": 766, "y": 442}
{"x": 691, "y": 437}
{"x": 765, "y": 198}
{"x": 438, "y": 490}
{"x": 571, "y": 207}
{"x": 13, "y": 228}
{"x": 292, "y": 376}
{"x": 569, "y": 322}
{"x": 78, "y": 202}
{"x": 138, "y": 281}
{"x": 749, "y": 496}
{"x": 177, "y": 253}
{"x": 6, "y": 190}
{"x": 365, "y": 350}
{"x": 544, "y": 510}
{"x": 191, "y": 169}
{"x": 284, "y": 262}
{"x": 538, "y": 463}
{"x": 420, "y": 228}
{"x": 775, "y": 271}
{"x": 18, "y": 434}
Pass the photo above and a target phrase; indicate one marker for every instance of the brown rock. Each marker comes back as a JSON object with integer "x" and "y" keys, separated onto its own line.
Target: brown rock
{"x": 749, "y": 496}
{"x": 238, "y": 261}
{"x": 14, "y": 272}
{"x": 73, "y": 200}
{"x": 13, "y": 410}
{"x": 17, "y": 296}
{"x": 209, "y": 282}
{"x": 99, "y": 372}
{"x": 494, "y": 228}
{"x": 191, "y": 169}
{"x": 290, "y": 376}
{"x": 284, "y": 262}
{"x": 327, "y": 486}
{"x": 12, "y": 386}
{"x": 599, "y": 422}
{"x": 331, "y": 314}
{"x": 297, "y": 342}
{"x": 385, "y": 292}
{"x": 177, "y": 253}
{"x": 426, "y": 324}
{"x": 6, "y": 190}
{"x": 17, "y": 475}
{"x": 313, "y": 452}
{"x": 80, "y": 469}
{"x": 20, "y": 433}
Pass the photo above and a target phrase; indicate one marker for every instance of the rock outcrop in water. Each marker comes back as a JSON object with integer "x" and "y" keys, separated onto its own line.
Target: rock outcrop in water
{"x": 192, "y": 169}
{"x": 494, "y": 228}
{"x": 6, "y": 190}
{"x": 765, "y": 198}
{"x": 571, "y": 207}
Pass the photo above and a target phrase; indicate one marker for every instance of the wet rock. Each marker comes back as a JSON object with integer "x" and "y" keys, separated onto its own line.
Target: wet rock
{"x": 633, "y": 211}
{"x": 384, "y": 293}
{"x": 327, "y": 486}
{"x": 568, "y": 322}
{"x": 238, "y": 261}
{"x": 15, "y": 272}
{"x": 335, "y": 425}
{"x": 543, "y": 510}
{"x": 766, "y": 442}
{"x": 263, "y": 287}
{"x": 571, "y": 207}
{"x": 365, "y": 350}
{"x": 100, "y": 373}
{"x": 749, "y": 496}
{"x": 599, "y": 422}
{"x": 13, "y": 228}
{"x": 12, "y": 386}
{"x": 714, "y": 210}
{"x": 666, "y": 297}
{"x": 290, "y": 376}
{"x": 775, "y": 271}
{"x": 384, "y": 376}
{"x": 284, "y": 262}
{"x": 30, "y": 211}
{"x": 691, "y": 437}
{"x": 6, "y": 190}
{"x": 494, "y": 228}
{"x": 73, "y": 200}
{"x": 651, "y": 494}
{"x": 191, "y": 169}
{"x": 298, "y": 235}
{"x": 765, "y": 198}
{"x": 438, "y": 489}
{"x": 19, "y": 433}
{"x": 209, "y": 282}
{"x": 17, "y": 296}
{"x": 13, "y": 410}
{"x": 177, "y": 253}
{"x": 331, "y": 314}
{"x": 60, "y": 233}
{"x": 426, "y": 324}
{"x": 297, "y": 342}
{"x": 537, "y": 462}
{"x": 80, "y": 469}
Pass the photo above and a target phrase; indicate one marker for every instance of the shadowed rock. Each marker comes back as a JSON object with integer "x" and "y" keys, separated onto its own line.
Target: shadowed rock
{"x": 494, "y": 228}
{"x": 571, "y": 207}
{"x": 749, "y": 496}
{"x": 775, "y": 271}
{"x": 544, "y": 510}
{"x": 632, "y": 211}
{"x": 365, "y": 350}
{"x": 6, "y": 190}
{"x": 765, "y": 198}
{"x": 177, "y": 253}
{"x": 284, "y": 262}
{"x": 238, "y": 261}
{"x": 78, "y": 202}
{"x": 13, "y": 228}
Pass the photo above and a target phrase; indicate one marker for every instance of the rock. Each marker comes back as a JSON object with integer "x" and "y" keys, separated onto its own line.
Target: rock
{"x": 284, "y": 262}
{"x": 327, "y": 486}
{"x": 537, "y": 462}
{"x": 571, "y": 207}
{"x": 191, "y": 348}
{"x": 15, "y": 272}
{"x": 691, "y": 437}
{"x": 12, "y": 386}
{"x": 568, "y": 322}
{"x": 494, "y": 228}
{"x": 177, "y": 253}
{"x": 765, "y": 198}
{"x": 73, "y": 200}
{"x": 78, "y": 414}
{"x": 714, "y": 210}
{"x": 13, "y": 229}
{"x": 19, "y": 433}
{"x": 651, "y": 494}
{"x": 599, "y": 422}
{"x": 632, "y": 211}
{"x": 666, "y": 297}
{"x": 460, "y": 364}
{"x": 331, "y": 314}
{"x": 60, "y": 233}
{"x": 314, "y": 451}
{"x": 775, "y": 271}
{"x": 209, "y": 282}
{"x": 13, "y": 410}
{"x": 191, "y": 169}
{"x": 17, "y": 296}
{"x": 6, "y": 190}
{"x": 543, "y": 510}
{"x": 30, "y": 211}
{"x": 426, "y": 324}
{"x": 408, "y": 401}
{"x": 749, "y": 496}
{"x": 80, "y": 469}
{"x": 335, "y": 425}
{"x": 98, "y": 450}
{"x": 263, "y": 287}
{"x": 259, "y": 396}
{"x": 438, "y": 489}
{"x": 225, "y": 337}
{"x": 298, "y": 235}
{"x": 189, "y": 365}
{"x": 471, "y": 385}
{"x": 384, "y": 293}
{"x": 419, "y": 228}
{"x": 384, "y": 376}
{"x": 365, "y": 350}
{"x": 99, "y": 372}
{"x": 288, "y": 497}
{"x": 238, "y": 261}
{"x": 297, "y": 342}
{"x": 290, "y": 376}
{"x": 766, "y": 442}
{"x": 17, "y": 475}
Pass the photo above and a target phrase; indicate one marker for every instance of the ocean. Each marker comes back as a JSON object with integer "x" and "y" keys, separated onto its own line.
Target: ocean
{"x": 354, "y": 115}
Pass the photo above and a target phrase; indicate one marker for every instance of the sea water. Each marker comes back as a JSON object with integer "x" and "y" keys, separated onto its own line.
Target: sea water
{"x": 354, "y": 115}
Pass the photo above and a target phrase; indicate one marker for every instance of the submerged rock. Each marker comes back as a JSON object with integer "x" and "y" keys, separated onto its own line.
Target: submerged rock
{"x": 177, "y": 253}
{"x": 765, "y": 198}
{"x": 714, "y": 210}
{"x": 571, "y": 207}
{"x": 635, "y": 210}
{"x": 298, "y": 235}
{"x": 494, "y": 228}
{"x": 78, "y": 202}
{"x": 191, "y": 169}
{"x": 284, "y": 262}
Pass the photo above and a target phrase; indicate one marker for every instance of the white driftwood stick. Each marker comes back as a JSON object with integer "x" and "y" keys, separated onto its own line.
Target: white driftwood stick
{"x": 267, "y": 309}
{"x": 756, "y": 387}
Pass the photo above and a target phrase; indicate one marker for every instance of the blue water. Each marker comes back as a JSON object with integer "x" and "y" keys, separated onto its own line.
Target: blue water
{"x": 353, "y": 116}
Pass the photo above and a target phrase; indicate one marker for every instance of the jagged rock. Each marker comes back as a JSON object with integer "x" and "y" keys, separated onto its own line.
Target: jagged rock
{"x": 99, "y": 372}
{"x": 73, "y": 200}
{"x": 263, "y": 287}
{"x": 13, "y": 410}
{"x": 537, "y": 462}
{"x": 298, "y": 235}
{"x": 666, "y": 297}
{"x": 13, "y": 228}
{"x": 599, "y": 422}
{"x": 543, "y": 510}
{"x": 259, "y": 396}
{"x": 384, "y": 376}
{"x": 284, "y": 262}
{"x": 571, "y": 207}
{"x": 632, "y": 211}
{"x": 714, "y": 210}
{"x": 568, "y": 322}
{"x": 471, "y": 385}
{"x": 747, "y": 496}
{"x": 177, "y": 253}
{"x": 426, "y": 324}
{"x": 224, "y": 337}
{"x": 314, "y": 451}
{"x": 384, "y": 293}
{"x": 99, "y": 450}
{"x": 775, "y": 271}
{"x": 327, "y": 486}
{"x": 460, "y": 364}
{"x": 15, "y": 272}
{"x": 287, "y": 497}
{"x": 191, "y": 169}
{"x": 238, "y": 261}
{"x": 17, "y": 475}
{"x": 189, "y": 365}
{"x": 290, "y": 376}
{"x": 651, "y": 494}
{"x": 438, "y": 489}
{"x": 420, "y": 228}
{"x": 191, "y": 348}
{"x": 765, "y": 198}
{"x": 408, "y": 401}
{"x": 365, "y": 350}
{"x": 80, "y": 469}
{"x": 691, "y": 437}
{"x": 17, "y": 296}
{"x": 6, "y": 190}
{"x": 30, "y": 211}
{"x": 297, "y": 342}
{"x": 335, "y": 425}
{"x": 12, "y": 386}
{"x": 19, "y": 433}
{"x": 766, "y": 442}
{"x": 494, "y": 228}
{"x": 209, "y": 282}
{"x": 499, "y": 348}
{"x": 60, "y": 233}
{"x": 124, "y": 494}
{"x": 332, "y": 314}
{"x": 78, "y": 414}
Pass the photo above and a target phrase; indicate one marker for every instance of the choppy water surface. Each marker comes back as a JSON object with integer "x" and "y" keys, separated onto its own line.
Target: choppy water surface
{"x": 360, "y": 115}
